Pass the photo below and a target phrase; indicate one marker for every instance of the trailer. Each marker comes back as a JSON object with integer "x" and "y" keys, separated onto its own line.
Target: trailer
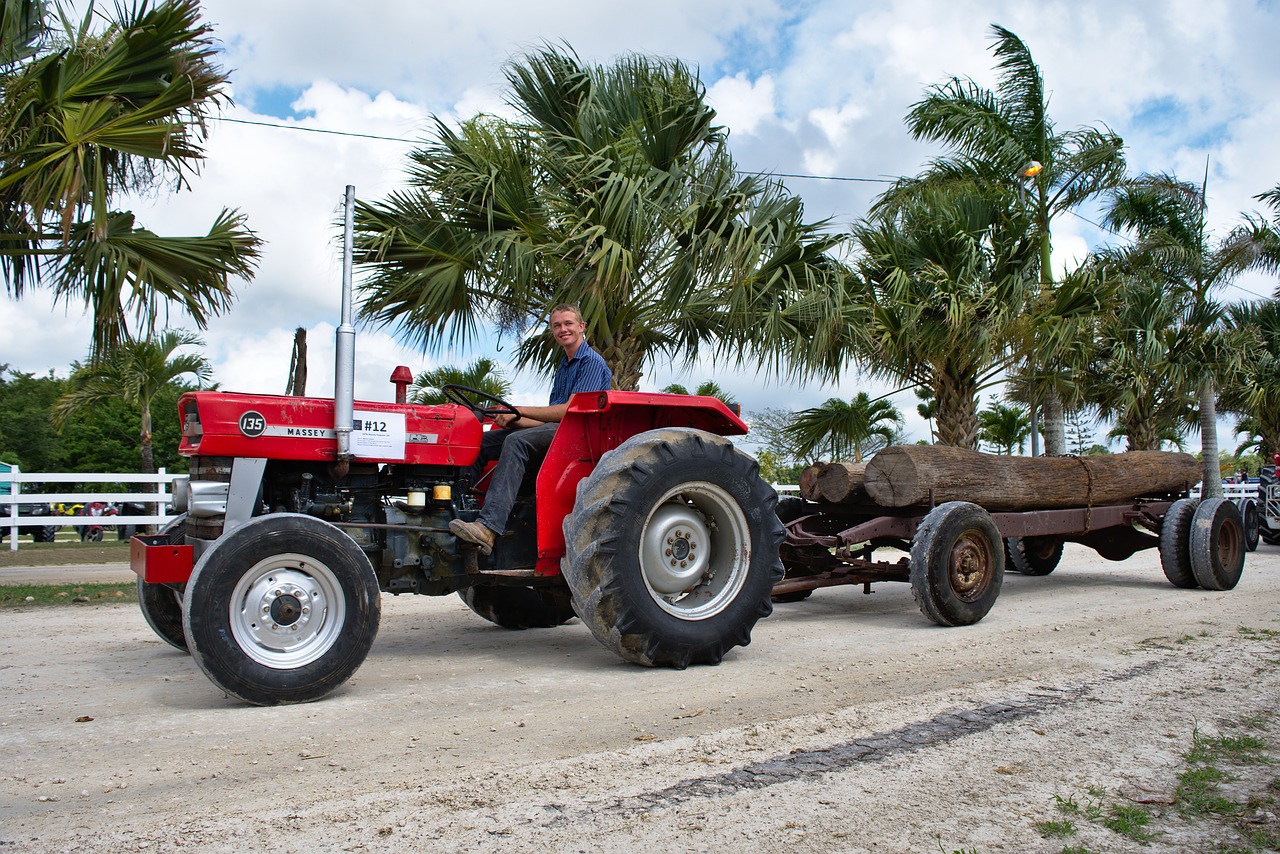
{"x": 956, "y": 552}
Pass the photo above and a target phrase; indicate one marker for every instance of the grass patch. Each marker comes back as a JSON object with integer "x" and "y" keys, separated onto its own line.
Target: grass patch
{"x": 1056, "y": 829}
{"x": 1128, "y": 820}
{"x": 1246, "y": 632}
{"x": 45, "y": 595}
{"x": 64, "y": 554}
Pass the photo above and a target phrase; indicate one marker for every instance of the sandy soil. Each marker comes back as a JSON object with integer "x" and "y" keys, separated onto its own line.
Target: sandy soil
{"x": 849, "y": 724}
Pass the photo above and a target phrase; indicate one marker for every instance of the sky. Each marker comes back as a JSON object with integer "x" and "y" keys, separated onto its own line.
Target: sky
{"x": 808, "y": 87}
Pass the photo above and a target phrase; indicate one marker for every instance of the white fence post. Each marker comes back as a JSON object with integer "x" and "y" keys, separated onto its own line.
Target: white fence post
{"x": 15, "y": 488}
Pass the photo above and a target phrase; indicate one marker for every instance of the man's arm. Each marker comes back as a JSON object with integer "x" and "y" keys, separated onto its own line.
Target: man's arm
{"x": 532, "y": 416}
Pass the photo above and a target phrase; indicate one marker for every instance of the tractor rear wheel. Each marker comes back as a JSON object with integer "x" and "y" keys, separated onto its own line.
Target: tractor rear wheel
{"x": 672, "y": 548}
{"x": 957, "y": 564}
{"x": 282, "y": 609}
{"x": 161, "y": 604}
{"x": 520, "y": 607}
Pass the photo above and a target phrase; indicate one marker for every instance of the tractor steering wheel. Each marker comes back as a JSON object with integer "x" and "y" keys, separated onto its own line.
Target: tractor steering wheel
{"x": 465, "y": 395}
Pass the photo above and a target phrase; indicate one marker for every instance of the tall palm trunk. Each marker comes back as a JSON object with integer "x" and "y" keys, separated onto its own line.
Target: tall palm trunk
{"x": 1212, "y": 485}
{"x": 1055, "y": 431}
{"x": 148, "y": 461}
{"x": 957, "y": 412}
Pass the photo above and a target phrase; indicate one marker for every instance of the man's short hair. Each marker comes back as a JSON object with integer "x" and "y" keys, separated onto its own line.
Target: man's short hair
{"x": 567, "y": 306}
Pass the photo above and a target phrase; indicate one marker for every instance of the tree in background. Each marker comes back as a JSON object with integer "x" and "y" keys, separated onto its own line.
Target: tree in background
{"x": 88, "y": 114}
{"x": 844, "y": 429}
{"x": 483, "y": 374}
{"x": 1255, "y": 395}
{"x": 707, "y": 388}
{"x": 942, "y": 281}
{"x": 1079, "y": 432}
{"x": 1004, "y": 136}
{"x": 1167, "y": 218}
{"x": 99, "y": 438}
{"x": 1004, "y": 427}
{"x": 928, "y": 407}
{"x": 135, "y": 372}
{"x": 612, "y": 189}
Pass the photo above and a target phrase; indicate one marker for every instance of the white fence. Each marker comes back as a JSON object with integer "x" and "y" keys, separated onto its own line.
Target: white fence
{"x": 159, "y": 489}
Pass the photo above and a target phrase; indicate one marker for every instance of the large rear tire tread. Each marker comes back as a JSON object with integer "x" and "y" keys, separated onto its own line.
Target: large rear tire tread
{"x": 957, "y": 564}
{"x": 520, "y": 607}
{"x": 651, "y": 475}
{"x": 1175, "y": 540}
{"x": 260, "y": 581}
{"x": 1216, "y": 544}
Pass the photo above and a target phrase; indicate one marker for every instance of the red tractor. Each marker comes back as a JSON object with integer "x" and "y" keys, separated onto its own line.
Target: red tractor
{"x": 643, "y": 520}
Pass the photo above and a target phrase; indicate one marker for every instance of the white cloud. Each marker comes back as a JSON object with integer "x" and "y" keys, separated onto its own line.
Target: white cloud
{"x": 742, "y": 104}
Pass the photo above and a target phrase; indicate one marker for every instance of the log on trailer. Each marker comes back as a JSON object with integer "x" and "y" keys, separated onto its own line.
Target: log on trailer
{"x": 921, "y": 475}
{"x": 808, "y": 482}
{"x": 841, "y": 482}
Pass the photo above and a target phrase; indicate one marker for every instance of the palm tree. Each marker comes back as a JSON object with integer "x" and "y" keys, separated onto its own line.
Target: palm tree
{"x": 707, "y": 388}
{"x": 941, "y": 287}
{"x": 1255, "y": 395}
{"x": 855, "y": 428}
{"x": 612, "y": 189}
{"x": 1172, "y": 239}
{"x": 483, "y": 374}
{"x": 87, "y": 115}
{"x": 1005, "y": 136}
{"x": 134, "y": 370}
{"x": 928, "y": 408}
{"x": 1004, "y": 427}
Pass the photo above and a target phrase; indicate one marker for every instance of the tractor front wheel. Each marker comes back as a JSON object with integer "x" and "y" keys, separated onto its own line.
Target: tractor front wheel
{"x": 672, "y": 548}
{"x": 282, "y": 609}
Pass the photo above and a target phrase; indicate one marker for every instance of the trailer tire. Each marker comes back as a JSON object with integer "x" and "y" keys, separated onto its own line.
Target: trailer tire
{"x": 691, "y": 493}
{"x": 318, "y": 592}
{"x": 161, "y": 604}
{"x": 957, "y": 564}
{"x": 1251, "y": 519}
{"x": 1033, "y": 555}
{"x": 520, "y": 607}
{"x": 1217, "y": 544}
{"x": 1175, "y": 543}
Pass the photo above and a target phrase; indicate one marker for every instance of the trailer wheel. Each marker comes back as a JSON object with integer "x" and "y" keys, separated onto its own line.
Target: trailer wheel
{"x": 672, "y": 548}
{"x": 957, "y": 564}
{"x": 520, "y": 607}
{"x": 282, "y": 609}
{"x": 161, "y": 604}
{"x": 1033, "y": 555}
{"x": 1175, "y": 541}
{"x": 1217, "y": 544}
{"x": 1250, "y": 518}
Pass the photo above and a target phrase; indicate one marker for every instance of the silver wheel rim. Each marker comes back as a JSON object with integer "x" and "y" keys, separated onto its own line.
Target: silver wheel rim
{"x": 695, "y": 551}
{"x": 287, "y": 611}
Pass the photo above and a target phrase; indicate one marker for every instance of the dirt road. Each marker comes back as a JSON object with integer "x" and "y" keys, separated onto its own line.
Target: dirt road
{"x": 849, "y": 724}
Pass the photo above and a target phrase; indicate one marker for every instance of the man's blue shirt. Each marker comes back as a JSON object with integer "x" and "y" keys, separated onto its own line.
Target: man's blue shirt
{"x": 586, "y": 371}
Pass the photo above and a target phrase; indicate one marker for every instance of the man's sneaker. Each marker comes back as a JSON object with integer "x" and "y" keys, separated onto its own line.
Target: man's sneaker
{"x": 473, "y": 532}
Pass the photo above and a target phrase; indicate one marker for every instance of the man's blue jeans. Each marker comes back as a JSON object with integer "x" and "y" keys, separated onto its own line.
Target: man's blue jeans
{"x": 515, "y": 451}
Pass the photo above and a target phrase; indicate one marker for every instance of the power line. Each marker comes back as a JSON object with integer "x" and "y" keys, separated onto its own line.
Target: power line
{"x": 317, "y": 130}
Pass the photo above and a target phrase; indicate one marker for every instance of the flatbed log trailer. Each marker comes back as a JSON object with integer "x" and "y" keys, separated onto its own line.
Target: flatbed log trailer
{"x": 957, "y": 552}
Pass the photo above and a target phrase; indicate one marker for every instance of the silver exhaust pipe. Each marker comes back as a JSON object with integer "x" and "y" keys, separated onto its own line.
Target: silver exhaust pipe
{"x": 344, "y": 375}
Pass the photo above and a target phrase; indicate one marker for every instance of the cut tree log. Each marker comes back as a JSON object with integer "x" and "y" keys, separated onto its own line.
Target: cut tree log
{"x": 841, "y": 482}
{"x": 808, "y": 482}
{"x": 909, "y": 475}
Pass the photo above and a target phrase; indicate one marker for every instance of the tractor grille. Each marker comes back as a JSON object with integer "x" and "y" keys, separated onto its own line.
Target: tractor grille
{"x": 215, "y": 469}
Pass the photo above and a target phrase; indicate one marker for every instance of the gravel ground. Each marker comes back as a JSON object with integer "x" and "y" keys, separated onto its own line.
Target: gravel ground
{"x": 849, "y": 724}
